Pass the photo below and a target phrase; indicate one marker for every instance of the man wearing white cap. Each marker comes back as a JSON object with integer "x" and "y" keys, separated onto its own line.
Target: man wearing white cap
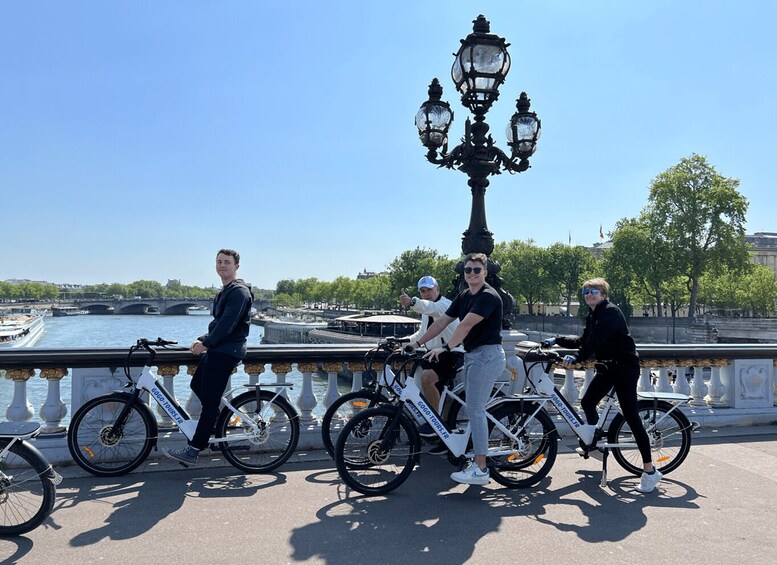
{"x": 436, "y": 374}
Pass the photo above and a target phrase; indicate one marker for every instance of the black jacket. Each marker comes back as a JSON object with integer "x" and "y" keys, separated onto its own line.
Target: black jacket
{"x": 606, "y": 336}
{"x": 231, "y": 322}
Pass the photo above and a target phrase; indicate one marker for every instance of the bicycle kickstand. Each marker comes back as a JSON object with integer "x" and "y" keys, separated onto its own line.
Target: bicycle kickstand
{"x": 603, "y": 484}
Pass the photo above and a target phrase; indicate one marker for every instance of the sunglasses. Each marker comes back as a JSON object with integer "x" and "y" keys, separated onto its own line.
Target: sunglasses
{"x": 594, "y": 291}
{"x": 475, "y": 270}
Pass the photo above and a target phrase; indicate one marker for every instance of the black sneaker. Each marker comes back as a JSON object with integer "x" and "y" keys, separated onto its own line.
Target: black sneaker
{"x": 439, "y": 449}
{"x": 426, "y": 431}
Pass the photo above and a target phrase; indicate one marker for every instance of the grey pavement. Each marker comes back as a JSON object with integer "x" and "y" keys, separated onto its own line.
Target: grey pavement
{"x": 720, "y": 506}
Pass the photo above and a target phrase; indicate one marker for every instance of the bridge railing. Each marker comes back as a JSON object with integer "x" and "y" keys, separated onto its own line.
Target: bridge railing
{"x": 728, "y": 384}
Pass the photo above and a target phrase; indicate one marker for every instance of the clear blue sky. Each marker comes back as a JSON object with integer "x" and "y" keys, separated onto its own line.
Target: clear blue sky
{"x": 137, "y": 138}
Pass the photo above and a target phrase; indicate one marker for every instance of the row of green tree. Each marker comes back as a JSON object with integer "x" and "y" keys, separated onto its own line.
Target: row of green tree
{"x": 685, "y": 249}
{"x": 28, "y": 291}
{"x": 144, "y": 288}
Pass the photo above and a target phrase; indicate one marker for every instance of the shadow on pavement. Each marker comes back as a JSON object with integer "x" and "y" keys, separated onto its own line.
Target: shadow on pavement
{"x": 427, "y": 524}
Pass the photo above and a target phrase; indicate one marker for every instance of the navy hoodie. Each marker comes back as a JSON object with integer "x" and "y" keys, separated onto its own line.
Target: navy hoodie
{"x": 231, "y": 312}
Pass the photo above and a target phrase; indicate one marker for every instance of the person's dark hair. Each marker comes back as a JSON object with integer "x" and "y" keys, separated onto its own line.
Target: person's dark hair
{"x": 477, "y": 258}
{"x": 232, "y": 253}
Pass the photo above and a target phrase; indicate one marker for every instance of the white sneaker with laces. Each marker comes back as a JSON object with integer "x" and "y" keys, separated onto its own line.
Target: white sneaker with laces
{"x": 472, "y": 475}
{"x": 649, "y": 481}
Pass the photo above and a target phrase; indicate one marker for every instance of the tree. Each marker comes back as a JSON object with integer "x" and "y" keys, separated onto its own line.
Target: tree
{"x": 342, "y": 291}
{"x": 405, "y": 270}
{"x": 702, "y": 217}
{"x": 640, "y": 259}
{"x": 759, "y": 288}
{"x": 285, "y": 286}
{"x": 524, "y": 270}
{"x": 145, "y": 289}
{"x": 568, "y": 267}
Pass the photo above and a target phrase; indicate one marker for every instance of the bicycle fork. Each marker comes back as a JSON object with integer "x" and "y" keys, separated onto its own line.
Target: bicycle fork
{"x": 390, "y": 432}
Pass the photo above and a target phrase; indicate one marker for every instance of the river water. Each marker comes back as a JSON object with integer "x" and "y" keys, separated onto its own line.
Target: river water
{"x": 123, "y": 331}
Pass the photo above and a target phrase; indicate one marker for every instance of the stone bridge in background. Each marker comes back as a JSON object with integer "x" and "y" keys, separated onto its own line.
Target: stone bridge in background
{"x": 165, "y": 306}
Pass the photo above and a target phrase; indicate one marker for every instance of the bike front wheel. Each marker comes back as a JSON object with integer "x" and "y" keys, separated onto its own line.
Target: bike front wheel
{"x": 26, "y": 490}
{"x": 374, "y": 458}
{"x": 669, "y": 432}
{"x": 262, "y": 436}
{"x": 535, "y": 443}
{"x": 342, "y": 410}
{"x": 105, "y": 447}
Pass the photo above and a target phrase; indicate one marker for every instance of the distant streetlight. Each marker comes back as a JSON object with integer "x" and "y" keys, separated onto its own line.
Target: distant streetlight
{"x": 479, "y": 69}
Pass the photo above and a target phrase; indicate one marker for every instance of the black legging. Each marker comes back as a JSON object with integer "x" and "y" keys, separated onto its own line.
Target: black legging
{"x": 624, "y": 378}
{"x": 208, "y": 383}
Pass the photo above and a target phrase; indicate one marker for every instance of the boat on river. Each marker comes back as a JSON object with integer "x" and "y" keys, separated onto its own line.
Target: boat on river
{"x": 198, "y": 311}
{"x": 288, "y": 328}
{"x": 20, "y": 330}
{"x": 62, "y": 311}
{"x": 365, "y": 328}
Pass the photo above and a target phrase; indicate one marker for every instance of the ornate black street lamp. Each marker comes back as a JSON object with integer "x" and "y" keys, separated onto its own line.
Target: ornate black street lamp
{"x": 479, "y": 69}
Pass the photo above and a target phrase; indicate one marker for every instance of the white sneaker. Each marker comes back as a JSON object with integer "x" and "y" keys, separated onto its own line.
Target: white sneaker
{"x": 472, "y": 475}
{"x": 648, "y": 481}
{"x": 594, "y": 454}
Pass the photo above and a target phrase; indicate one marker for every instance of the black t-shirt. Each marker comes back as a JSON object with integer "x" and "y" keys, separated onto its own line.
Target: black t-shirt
{"x": 485, "y": 303}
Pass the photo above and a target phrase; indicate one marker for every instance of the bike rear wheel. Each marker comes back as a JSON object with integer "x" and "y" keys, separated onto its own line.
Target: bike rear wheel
{"x": 537, "y": 444}
{"x": 669, "y": 434}
{"x": 26, "y": 490}
{"x": 103, "y": 449}
{"x": 342, "y": 410}
{"x": 277, "y": 436}
{"x": 363, "y": 464}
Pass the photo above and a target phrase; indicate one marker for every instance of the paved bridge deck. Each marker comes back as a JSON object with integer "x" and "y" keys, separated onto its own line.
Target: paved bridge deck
{"x": 720, "y": 506}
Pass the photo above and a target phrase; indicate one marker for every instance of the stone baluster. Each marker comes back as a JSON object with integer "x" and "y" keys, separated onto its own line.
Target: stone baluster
{"x": 332, "y": 392}
{"x": 254, "y": 371}
{"x": 168, "y": 373}
{"x": 19, "y": 410}
{"x": 589, "y": 376}
{"x": 280, "y": 370}
{"x": 716, "y": 388}
{"x": 346, "y": 372}
{"x": 663, "y": 378}
{"x": 193, "y": 405}
{"x": 517, "y": 376}
{"x": 569, "y": 390}
{"x": 681, "y": 385}
{"x": 774, "y": 382}
{"x": 699, "y": 389}
{"x": 357, "y": 369}
{"x": 53, "y": 409}
{"x": 645, "y": 383}
{"x": 306, "y": 401}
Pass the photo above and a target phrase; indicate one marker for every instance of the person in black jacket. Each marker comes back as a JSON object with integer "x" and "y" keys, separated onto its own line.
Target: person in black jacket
{"x": 222, "y": 349}
{"x": 606, "y": 338}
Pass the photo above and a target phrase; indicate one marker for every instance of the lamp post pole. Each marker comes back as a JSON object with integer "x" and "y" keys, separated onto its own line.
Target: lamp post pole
{"x": 479, "y": 68}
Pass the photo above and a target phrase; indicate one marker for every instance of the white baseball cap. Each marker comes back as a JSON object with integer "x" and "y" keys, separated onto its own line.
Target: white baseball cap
{"x": 427, "y": 282}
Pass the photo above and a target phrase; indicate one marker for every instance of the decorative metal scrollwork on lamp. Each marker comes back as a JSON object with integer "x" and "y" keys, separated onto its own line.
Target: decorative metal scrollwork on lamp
{"x": 479, "y": 69}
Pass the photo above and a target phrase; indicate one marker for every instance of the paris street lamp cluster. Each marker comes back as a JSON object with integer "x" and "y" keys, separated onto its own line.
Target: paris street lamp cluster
{"x": 479, "y": 69}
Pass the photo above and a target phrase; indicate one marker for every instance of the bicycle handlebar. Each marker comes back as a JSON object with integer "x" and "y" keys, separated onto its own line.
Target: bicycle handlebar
{"x": 158, "y": 342}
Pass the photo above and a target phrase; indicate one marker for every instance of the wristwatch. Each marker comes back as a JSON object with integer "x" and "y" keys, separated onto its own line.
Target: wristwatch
{"x": 413, "y": 301}
{"x": 446, "y": 347}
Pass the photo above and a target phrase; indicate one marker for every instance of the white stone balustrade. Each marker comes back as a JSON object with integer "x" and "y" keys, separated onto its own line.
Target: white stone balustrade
{"x": 721, "y": 389}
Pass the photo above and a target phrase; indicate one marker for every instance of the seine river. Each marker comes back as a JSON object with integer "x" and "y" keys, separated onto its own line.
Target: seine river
{"x": 123, "y": 331}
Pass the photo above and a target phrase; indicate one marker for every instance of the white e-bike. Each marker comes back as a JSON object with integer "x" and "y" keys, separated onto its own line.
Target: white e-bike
{"x": 111, "y": 435}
